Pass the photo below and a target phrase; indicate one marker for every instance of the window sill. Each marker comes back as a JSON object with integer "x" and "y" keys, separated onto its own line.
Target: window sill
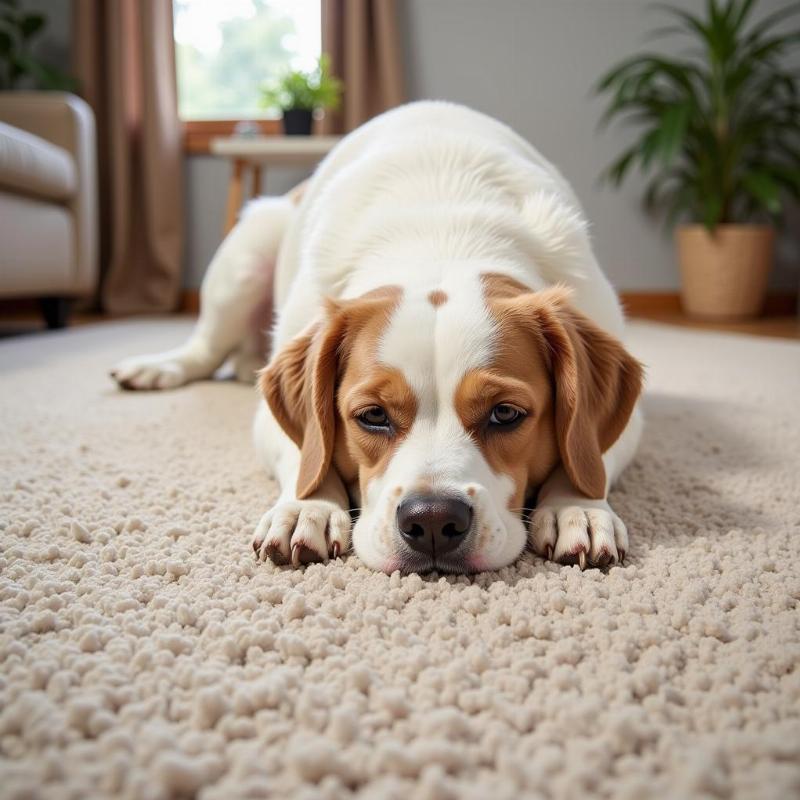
{"x": 198, "y": 133}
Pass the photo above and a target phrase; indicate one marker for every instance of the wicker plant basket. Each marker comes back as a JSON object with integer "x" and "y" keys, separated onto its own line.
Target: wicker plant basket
{"x": 724, "y": 274}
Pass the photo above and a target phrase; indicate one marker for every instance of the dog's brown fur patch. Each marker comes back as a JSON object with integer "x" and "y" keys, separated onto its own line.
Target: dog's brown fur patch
{"x": 367, "y": 383}
{"x": 437, "y": 298}
{"x": 517, "y": 376}
{"x": 591, "y": 381}
{"x": 300, "y": 384}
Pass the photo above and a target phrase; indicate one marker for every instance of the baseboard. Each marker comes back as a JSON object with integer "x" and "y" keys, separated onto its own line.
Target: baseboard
{"x": 644, "y": 303}
{"x": 778, "y": 303}
{"x": 637, "y": 304}
{"x": 190, "y": 301}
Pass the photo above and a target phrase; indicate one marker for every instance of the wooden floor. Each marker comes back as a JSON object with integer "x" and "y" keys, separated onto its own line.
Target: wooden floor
{"x": 27, "y": 321}
{"x": 782, "y": 327}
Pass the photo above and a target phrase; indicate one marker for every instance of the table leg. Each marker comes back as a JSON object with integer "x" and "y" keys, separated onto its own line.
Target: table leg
{"x": 234, "y": 195}
{"x": 257, "y": 180}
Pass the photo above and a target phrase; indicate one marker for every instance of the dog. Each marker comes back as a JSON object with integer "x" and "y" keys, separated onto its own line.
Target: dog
{"x": 446, "y": 359}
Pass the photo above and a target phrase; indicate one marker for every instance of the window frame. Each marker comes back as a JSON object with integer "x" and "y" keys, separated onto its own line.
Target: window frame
{"x": 198, "y": 133}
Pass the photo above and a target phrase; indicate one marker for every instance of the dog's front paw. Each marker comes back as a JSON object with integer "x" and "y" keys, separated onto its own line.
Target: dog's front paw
{"x": 579, "y": 534}
{"x": 162, "y": 371}
{"x": 302, "y": 531}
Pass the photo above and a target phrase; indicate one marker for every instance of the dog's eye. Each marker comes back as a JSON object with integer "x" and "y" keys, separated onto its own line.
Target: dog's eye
{"x": 374, "y": 418}
{"x": 505, "y": 414}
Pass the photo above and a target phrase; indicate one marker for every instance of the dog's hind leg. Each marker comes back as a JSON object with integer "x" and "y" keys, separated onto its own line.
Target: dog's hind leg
{"x": 250, "y": 355}
{"x": 235, "y": 306}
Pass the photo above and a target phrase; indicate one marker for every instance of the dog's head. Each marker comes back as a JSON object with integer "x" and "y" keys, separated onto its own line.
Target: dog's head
{"x": 443, "y": 411}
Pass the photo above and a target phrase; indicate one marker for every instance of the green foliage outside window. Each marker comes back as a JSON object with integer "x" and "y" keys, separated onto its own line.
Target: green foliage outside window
{"x": 226, "y": 82}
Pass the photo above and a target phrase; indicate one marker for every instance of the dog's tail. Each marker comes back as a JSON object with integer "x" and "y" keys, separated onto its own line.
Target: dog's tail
{"x": 262, "y": 224}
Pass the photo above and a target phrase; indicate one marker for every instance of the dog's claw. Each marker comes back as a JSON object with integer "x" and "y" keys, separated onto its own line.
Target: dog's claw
{"x": 296, "y": 555}
{"x": 335, "y": 549}
{"x": 548, "y": 554}
{"x": 621, "y": 556}
{"x": 582, "y": 560}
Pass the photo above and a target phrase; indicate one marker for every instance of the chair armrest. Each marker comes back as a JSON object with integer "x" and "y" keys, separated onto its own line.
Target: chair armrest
{"x": 67, "y": 121}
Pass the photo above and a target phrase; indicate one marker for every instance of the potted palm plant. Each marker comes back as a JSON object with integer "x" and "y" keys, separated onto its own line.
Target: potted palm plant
{"x": 719, "y": 135}
{"x": 297, "y": 94}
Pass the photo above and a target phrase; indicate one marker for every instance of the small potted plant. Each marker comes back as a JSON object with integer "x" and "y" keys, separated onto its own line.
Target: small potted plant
{"x": 719, "y": 134}
{"x": 298, "y": 94}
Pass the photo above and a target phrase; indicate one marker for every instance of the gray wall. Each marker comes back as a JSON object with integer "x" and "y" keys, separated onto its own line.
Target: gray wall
{"x": 532, "y": 63}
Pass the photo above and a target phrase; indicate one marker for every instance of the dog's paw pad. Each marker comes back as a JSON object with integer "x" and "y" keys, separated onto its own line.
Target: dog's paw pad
{"x": 273, "y": 551}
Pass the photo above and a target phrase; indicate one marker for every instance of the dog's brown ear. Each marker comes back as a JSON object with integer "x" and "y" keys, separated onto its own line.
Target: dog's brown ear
{"x": 299, "y": 385}
{"x": 596, "y": 383}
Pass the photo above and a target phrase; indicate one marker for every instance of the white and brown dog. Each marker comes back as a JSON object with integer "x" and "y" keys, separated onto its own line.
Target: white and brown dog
{"x": 446, "y": 348}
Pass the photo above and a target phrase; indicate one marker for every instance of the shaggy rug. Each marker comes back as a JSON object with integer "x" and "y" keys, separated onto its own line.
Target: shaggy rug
{"x": 145, "y": 654}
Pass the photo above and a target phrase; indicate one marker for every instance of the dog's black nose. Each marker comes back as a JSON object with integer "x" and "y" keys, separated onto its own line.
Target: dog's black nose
{"x": 433, "y": 524}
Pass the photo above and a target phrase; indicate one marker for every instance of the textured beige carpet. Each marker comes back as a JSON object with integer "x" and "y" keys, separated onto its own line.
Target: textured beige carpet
{"x": 145, "y": 654}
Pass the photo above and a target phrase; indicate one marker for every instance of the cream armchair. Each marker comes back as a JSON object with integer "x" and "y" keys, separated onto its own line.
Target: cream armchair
{"x": 48, "y": 200}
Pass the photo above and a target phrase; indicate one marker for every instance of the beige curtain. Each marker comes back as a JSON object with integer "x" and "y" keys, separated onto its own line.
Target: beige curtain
{"x": 125, "y": 62}
{"x": 361, "y": 37}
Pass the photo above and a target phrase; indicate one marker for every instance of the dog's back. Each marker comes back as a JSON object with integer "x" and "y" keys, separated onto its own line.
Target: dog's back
{"x": 423, "y": 188}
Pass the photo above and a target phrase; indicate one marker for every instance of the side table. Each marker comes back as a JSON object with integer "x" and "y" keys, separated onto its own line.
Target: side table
{"x": 256, "y": 153}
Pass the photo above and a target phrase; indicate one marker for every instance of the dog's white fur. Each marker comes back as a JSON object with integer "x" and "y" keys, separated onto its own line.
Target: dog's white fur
{"x": 428, "y": 196}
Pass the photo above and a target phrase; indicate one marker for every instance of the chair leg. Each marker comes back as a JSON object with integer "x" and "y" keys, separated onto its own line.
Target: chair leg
{"x": 56, "y": 311}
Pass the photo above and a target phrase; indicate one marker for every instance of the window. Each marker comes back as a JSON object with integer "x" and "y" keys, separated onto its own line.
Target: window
{"x": 225, "y": 51}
